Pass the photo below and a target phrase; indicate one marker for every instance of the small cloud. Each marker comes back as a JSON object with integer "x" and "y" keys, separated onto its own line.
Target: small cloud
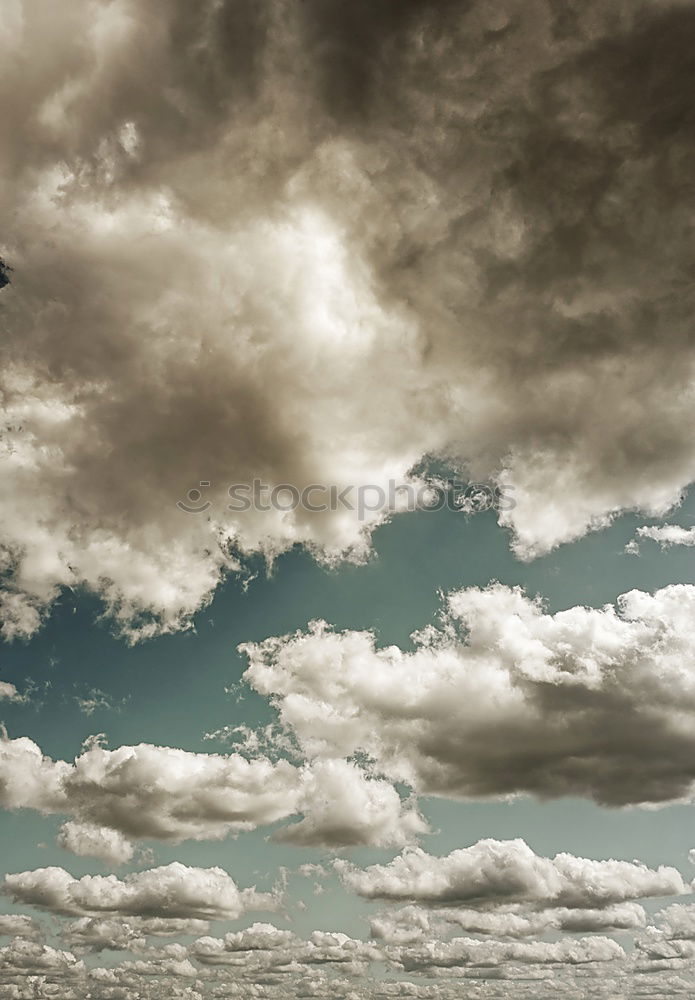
{"x": 98, "y": 699}
{"x": 668, "y": 535}
{"x": 93, "y": 841}
{"x": 8, "y": 692}
{"x": 94, "y": 740}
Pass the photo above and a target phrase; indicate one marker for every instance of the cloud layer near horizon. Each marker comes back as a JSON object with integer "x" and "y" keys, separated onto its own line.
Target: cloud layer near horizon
{"x": 510, "y": 888}
{"x": 316, "y": 243}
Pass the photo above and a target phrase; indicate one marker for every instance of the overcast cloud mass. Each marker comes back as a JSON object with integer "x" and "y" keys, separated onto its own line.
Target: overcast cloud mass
{"x": 336, "y": 248}
{"x": 317, "y": 242}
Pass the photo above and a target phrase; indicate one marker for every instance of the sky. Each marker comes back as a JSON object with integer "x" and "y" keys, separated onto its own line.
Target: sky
{"x": 346, "y": 512}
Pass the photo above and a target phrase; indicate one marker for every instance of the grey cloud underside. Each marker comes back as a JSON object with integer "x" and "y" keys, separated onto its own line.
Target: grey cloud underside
{"x": 113, "y": 799}
{"x": 503, "y": 698}
{"x": 466, "y": 223}
{"x": 493, "y": 873}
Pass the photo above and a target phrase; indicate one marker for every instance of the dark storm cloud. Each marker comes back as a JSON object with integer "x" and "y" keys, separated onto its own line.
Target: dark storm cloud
{"x": 359, "y": 48}
{"x": 314, "y": 242}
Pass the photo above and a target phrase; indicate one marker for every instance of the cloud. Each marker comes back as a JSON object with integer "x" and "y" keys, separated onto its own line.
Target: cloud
{"x": 258, "y": 937}
{"x": 265, "y": 947}
{"x": 265, "y": 961}
{"x": 18, "y": 925}
{"x": 668, "y": 534}
{"x": 503, "y": 697}
{"x": 91, "y": 841}
{"x": 677, "y": 921}
{"x": 8, "y": 692}
{"x": 442, "y": 215}
{"x": 403, "y": 926}
{"x": 171, "y": 794}
{"x": 491, "y": 872}
{"x": 506, "y": 920}
{"x": 95, "y": 700}
{"x": 116, "y": 934}
{"x": 149, "y": 792}
{"x": 33, "y": 958}
{"x": 469, "y": 952}
{"x": 28, "y": 779}
{"x": 263, "y": 951}
{"x": 173, "y": 891}
{"x": 343, "y": 809}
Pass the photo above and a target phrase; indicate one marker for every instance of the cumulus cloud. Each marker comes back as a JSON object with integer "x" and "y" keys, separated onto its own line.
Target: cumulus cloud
{"x": 503, "y": 697}
{"x": 265, "y": 947}
{"x": 415, "y": 923}
{"x": 17, "y": 925}
{"x": 677, "y": 921}
{"x": 116, "y": 934}
{"x": 263, "y": 951}
{"x": 265, "y": 961}
{"x": 9, "y": 692}
{"x": 468, "y": 951}
{"x": 492, "y": 872}
{"x": 28, "y": 779}
{"x": 144, "y": 791}
{"x": 403, "y": 926}
{"x": 91, "y": 841}
{"x": 343, "y": 809}
{"x": 33, "y": 958}
{"x": 172, "y": 891}
{"x": 668, "y": 534}
{"x": 443, "y": 216}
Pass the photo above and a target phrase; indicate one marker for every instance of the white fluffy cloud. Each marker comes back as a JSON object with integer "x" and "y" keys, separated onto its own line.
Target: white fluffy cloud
{"x": 668, "y": 534}
{"x": 414, "y": 923}
{"x": 144, "y": 791}
{"x": 352, "y": 295}
{"x": 468, "y": 951}
{"x": 343, "y": 809}
{"x": 172, "y": 891}
{"x": 33, "y": 958}
{"x": 28, "y": 779}
{"x": 9, "y": 692}
{"x": 264, "y": 946}
{"x": 492, "y": 872}
{"x": 117, "y": 934}
{"x": 677, "y": 921}
{"x": 503, "y": 697}
{"x": 17, "y": 925}
{"x": 268, "y": 962}
{"x": 88, "y": 840}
